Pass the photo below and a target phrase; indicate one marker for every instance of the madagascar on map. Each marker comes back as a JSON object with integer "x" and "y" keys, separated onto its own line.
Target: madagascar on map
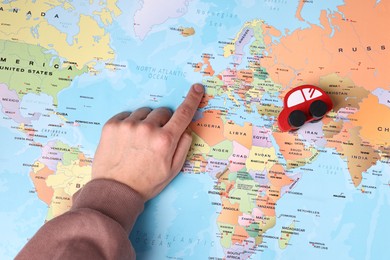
{"x": 247, "y": 190}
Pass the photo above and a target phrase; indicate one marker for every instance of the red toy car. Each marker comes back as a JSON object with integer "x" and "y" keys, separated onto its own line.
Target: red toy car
{"x": 306, "y": 103}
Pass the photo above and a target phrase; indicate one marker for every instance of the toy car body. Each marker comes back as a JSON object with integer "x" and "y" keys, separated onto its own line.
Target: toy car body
{"x": 306, "y": 103}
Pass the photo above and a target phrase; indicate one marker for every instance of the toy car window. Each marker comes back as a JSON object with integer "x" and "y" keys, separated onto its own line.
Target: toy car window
{"x": 311, "y": 93}
{"x": 295, "y": 98}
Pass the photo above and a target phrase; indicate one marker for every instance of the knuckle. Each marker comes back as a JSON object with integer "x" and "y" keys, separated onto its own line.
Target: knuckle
{"x": 166, "y": 139}
{"x": 109, "y": 126}
{"x": 146, "y": 127}
{"x": 185, "y": 111}
{"x": 127, "y": 125}
{"x": 146, "y": 109}
{"x": 165, "y": 110}
{"x": 193, "y": 97}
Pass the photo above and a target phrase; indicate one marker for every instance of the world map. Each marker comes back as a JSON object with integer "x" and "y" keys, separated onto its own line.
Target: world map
{"x": 247, "y": 190}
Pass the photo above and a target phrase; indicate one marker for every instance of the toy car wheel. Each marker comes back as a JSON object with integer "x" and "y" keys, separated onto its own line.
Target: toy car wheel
{"x": 296, "y": 118}
{"x": 318, "y": 109}
{"x": 315, "y": 121}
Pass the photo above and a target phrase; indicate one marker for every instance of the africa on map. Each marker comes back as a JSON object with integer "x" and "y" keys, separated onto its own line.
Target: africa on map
{"x": 247, "y": 190}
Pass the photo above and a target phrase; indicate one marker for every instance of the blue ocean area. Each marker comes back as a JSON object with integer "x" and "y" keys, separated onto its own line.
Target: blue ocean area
{"x": 22, "y": 213}
{"x": 339, "y": 221}
{"x": 181, "y": 222}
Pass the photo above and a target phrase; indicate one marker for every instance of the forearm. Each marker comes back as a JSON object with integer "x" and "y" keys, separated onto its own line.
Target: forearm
{"x": 96, "y": 227}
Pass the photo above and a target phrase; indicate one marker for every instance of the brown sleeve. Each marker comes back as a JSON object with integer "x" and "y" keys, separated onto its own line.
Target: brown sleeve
{"x": 96, "y": 227}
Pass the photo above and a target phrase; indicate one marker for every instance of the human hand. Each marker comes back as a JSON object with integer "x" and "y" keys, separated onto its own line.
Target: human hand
{"x": 147, "y": 148}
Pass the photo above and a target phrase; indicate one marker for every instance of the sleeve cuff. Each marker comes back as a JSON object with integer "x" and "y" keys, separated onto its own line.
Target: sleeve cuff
{"x": 113, "y": 199}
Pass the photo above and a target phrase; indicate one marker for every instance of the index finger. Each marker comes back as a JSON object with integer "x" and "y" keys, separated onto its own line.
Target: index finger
{"x": 183, "y": 115}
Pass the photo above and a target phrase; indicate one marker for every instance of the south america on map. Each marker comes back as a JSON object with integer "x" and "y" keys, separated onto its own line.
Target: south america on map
{"x": 247, "y": 190}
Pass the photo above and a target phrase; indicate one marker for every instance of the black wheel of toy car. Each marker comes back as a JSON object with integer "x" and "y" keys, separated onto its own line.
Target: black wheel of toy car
{"x": 296, "y": 119}
{"x": 318, "y": 109}
{"x": 315, "y": 121}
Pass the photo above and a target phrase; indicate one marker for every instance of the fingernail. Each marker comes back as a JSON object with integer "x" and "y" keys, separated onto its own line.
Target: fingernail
{"x": 198, "y": 88}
